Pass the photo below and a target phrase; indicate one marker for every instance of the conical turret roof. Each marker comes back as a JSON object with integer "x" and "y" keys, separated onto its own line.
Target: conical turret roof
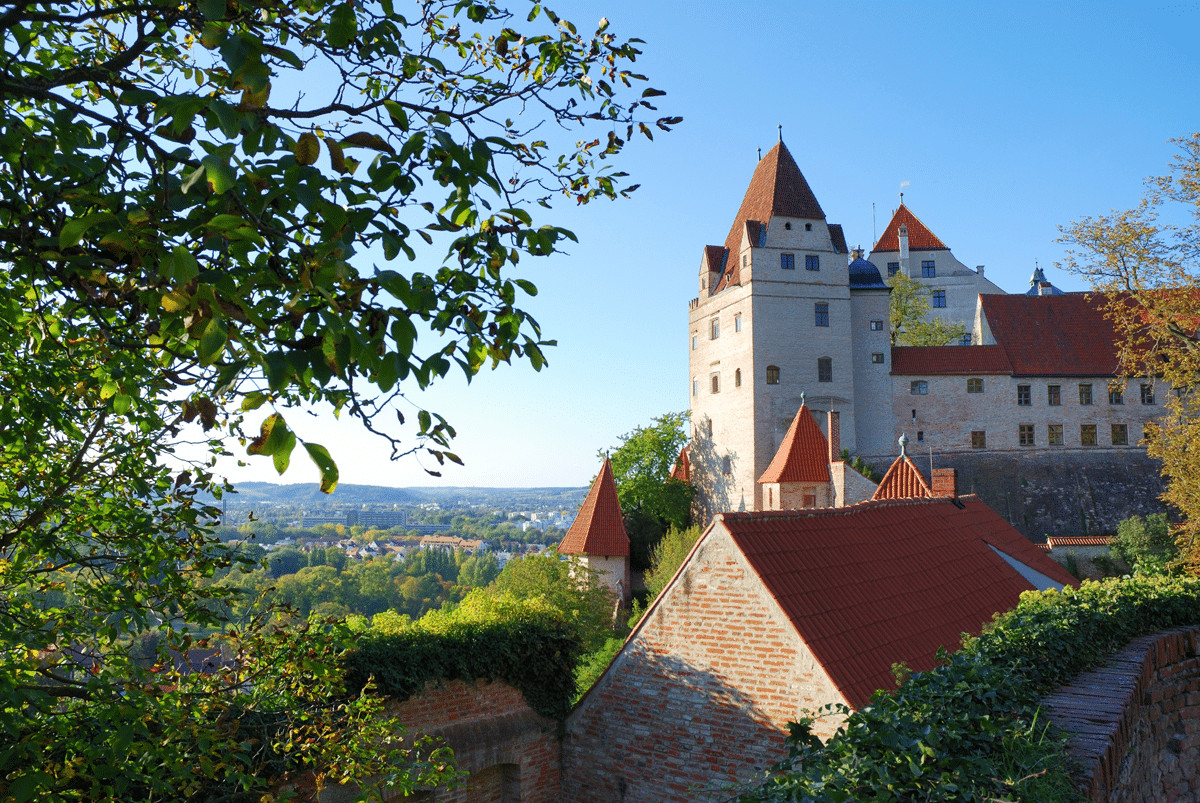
{"x": 599, "y": 529}
{"x": 803, "y": 455}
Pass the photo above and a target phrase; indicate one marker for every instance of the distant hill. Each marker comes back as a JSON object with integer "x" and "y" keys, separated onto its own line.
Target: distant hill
{"x": 308, "y": 495}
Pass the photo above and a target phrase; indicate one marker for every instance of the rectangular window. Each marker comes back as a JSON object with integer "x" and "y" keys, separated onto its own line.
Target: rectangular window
{"x": 737, "y": 322}
{"x": 928, "y": 271}
{"x": 821, "y": 309}
{"x": 810, "y": 501}
{"x": 1147, "y": 394}
{"x": 918, "y": 388}
{"x": 695, "y": 387}
{"x": 1087, "y": 434}
{"x": 965, "y": 340}
{"x": 1024, "y": 397}
{"x": 1055, "y": 435}
{"x": 876, "y": 326}
{"x": 695, "y": 341}
{"x": 1116, "y": 396}
{"x": 975, "y": 385}
{"x": 1120, "y": 435}
{"x": 893, "y": 269}
{"x": 877, "y": 357}
{"x": 812, "y": 262}
{"x": 978, "y": 439}
{"x": 772, "y": 374}
{"x": 787, "y": 261}
{"x": 939, "y": 298}
{"x": 715, "y": 379}
{"x": 1053, "y": 395}
{"x": 824, "y": 369}
{"x": 714, "y": 328}
{"x": 1085, "y": 394}
{"x": 1025, "y": 434}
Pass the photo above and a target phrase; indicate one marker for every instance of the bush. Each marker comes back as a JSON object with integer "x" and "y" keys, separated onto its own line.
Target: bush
{"x": 1146, "y": 544}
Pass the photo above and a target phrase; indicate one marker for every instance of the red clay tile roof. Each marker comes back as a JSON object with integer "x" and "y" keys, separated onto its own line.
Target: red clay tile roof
{"x": 1065, "y": 335}
{"x": 903, "y": 480}
{"x": 777, "y": 188}
{"x": 803, "y": 455}
{"x": 599, "y": 529}
{"x": 881, "y": 582}
{"x": 920, "y": 238}
{"x": 1078, "y": 540}
{"x": 838, "y": 237}
{"x": 936, "y": 360}
{"x": 683, "y": 466}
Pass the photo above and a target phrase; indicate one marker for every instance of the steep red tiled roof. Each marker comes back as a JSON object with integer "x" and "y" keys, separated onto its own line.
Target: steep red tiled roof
{"x": 873, "y": 584}
{"x": 838, "y": 237}
{"x": 776, "y": 188}
{"x": 683, "y": 466}
{"x": 934, "y": 360}
{"x": 1063, "y": 335}
{"x": 599, "y": 529}
{"x": 903, "y": 480}
{"x": 920, "y": 238}
{"x": 803, "y": 455}
{"x": 715, "y": 255}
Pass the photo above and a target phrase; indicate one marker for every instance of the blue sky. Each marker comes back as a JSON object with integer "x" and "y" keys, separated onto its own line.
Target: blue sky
{"x": 1005, "y": 120}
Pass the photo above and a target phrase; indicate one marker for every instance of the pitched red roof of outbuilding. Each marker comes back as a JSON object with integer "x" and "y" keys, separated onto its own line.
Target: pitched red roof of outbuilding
{"x": 920, "y": 238}
{"x": 1064, "y": 335}
{"x": 874, "y": 584}
{"x": 683, "y": 466}
{"x": 803, "y": 455}
{"x": 934, "y": 360}
{"x": 903, "y": 480}
{"x": 599, "y": 529}
{"x": 776, "y": 188}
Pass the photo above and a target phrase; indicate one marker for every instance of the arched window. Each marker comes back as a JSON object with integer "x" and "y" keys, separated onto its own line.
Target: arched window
{"x": 737, "y": 378}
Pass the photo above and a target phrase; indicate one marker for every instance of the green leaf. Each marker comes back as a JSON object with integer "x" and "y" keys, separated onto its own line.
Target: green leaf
{"x": 283, "y": 455}
{"x": 220, "y": 175}
{"x": 183, "y": 265}
{"x": 212, "y": 342}
{"x": 343, "y": 25}
{"x": 272, "y": 436}
{"x": 329, "y": 471}
{"x": 72, "y": 233}
{"x": 253, "y": 401}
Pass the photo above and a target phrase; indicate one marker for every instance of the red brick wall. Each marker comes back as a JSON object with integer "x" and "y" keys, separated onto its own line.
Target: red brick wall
{"x": 701, "y": 696}
{"x": 1135, "y": 721}
{"x": 511, "y": 752}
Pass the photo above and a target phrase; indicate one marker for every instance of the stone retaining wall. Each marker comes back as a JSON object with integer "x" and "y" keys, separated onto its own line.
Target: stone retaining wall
{"x": 1135, "y": 721}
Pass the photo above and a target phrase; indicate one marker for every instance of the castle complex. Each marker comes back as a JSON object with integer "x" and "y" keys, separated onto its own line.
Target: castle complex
{"x": 784, "y": 311}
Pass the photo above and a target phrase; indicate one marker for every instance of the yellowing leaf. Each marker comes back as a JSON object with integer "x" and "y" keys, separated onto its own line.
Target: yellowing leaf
{"x": 175, "y": 301}
{"x": 308, "y": 148}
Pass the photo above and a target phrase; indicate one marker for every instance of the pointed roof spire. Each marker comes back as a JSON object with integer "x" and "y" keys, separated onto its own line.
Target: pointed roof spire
{"x": 776, "y": 188}
{"x": 920, "y": 238}
{"x": 599, "y": 529}
{"x": 803, "y": 455}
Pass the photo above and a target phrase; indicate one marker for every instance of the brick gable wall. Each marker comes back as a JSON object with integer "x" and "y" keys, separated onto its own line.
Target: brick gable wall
{"x": 701, "y": 696}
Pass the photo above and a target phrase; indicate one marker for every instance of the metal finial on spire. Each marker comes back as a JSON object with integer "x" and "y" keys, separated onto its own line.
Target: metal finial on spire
{"x": 781, "y": 132}
{"x": 902, "y": 198}
{"x": 903, "y": 445}
{"x": 801, "y": 398}
{"x": 760, "y": 154}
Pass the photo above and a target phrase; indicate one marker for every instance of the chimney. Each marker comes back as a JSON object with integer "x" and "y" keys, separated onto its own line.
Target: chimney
{"x": 979, "y": 269}
{"x": 834, "y": 430}
{"x": 904, "y": 250}
{"x": 945, "y": 483}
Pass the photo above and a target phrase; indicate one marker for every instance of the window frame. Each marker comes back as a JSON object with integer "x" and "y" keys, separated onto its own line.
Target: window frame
{"x": 812, "y": 262}
{"x": 824, "y": 369}
{"x": 1147, "y": 392}
{"x": 714, "y": 328}
{"x": 1085, "y": 394}
{"x": 1087, "y": 431}
{"x": 737, "y": 377}
{"x": 937, "y": 299}
{"x": 1024, "y": 395}
{"x": 975, "y": 384}
{"x": 787, "y": 261}
{"x": 714, "y": 380}
{"x": 821, "y": 313}
{"x": 918, "y": 387}
{"x": 1026, "y": 435}
{"x": 928, "y": 269}
{"x": 979, "y": 439}
{"x": 876, "y": 326}
{"x": 892, "y": 269}
{"x": 1123, "y": 429}
{"x": 1054, "y": 434}
{"x": 1116, "y": 396}
{"x": 877, "y": 358}
{"x": 737, "y": 322}
{"x": 772, "y": 374}
{"x": 1054, "y": 395}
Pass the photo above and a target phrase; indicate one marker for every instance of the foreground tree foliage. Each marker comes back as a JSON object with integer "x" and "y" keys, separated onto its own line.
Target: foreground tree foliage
{"x": 911, "y": 323}
{"x": 194, "y": 200}
{"x": 1146, "y": 262}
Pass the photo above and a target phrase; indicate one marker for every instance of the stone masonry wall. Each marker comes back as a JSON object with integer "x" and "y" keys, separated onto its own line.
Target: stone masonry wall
{"x": 511, "y": 752}
{"x": 700, "y": 697}
{"x": 1069, "y": 493}
{"x": 1135, "y": 721}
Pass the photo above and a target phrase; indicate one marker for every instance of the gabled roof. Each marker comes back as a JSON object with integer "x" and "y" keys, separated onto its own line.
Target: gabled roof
{"x": 1065, "y": 335}
{"x": 599, "y": 529}
{"x": 803, "y": 455}
{"x": 882, "y": 582}
{"x": 776, "y": 188}
{"x": 933, "y": 360}
{"x": 903, "y": 480}
{"x": 683, "y": 466}
{"x": 920, "y": 238}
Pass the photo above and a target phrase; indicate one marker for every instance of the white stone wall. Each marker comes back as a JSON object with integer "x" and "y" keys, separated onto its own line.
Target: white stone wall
{"x": 947, "y": 414}
{"x": 872, "y": 381}
{"x": 962, "y": 284}
{"x": 613, "y": 572}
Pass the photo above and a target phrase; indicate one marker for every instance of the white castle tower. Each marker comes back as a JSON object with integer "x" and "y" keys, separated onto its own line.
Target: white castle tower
{"x": 780, "y": 313}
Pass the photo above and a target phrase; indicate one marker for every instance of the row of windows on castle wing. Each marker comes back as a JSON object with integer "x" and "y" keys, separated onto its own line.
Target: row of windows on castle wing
{"x": 920, "y": 387}
{"x": 1027, "y": 435}
{"x": 928, "y": 271}
{"x": 788, "y": 261}
{"x": 824, "y": 374}
{"x": 820, "y": 318}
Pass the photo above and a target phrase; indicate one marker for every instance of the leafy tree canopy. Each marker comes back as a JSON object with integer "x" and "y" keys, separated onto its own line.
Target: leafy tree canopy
{"x": 911, "y": 322}
{"x": 650, "y": 498}
{"x": 1149, "y": 274}
{"x": 1147, "y": 545}
{"x": 209, "y": 210}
